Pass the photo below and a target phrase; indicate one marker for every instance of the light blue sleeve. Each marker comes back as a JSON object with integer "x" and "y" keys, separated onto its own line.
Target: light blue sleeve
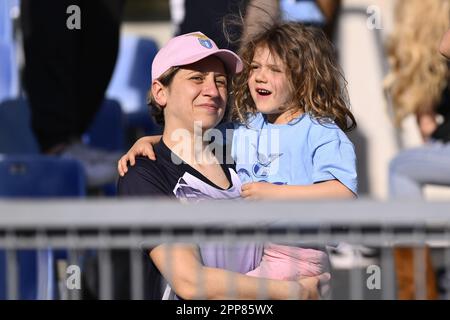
{"x": 334, "y": 158}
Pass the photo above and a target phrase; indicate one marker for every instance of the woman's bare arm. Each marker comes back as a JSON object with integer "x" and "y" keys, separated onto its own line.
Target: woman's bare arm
{"x": 191, "y": 280}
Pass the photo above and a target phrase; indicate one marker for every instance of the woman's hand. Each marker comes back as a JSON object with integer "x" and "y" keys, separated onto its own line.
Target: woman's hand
{"x": 142, "y": 147}
{"x": 259, "y": 190}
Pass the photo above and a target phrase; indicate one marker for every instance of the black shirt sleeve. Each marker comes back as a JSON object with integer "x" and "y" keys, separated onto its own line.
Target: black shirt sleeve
{"x": 145, "y": 178}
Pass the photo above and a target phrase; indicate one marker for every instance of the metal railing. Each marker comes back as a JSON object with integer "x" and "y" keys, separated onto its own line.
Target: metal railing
{"x": 106, "y": 225}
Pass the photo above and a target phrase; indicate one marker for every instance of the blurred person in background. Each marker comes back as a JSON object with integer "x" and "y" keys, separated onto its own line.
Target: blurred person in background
{"x": 206, "y": 16}
{"x": 66, "y": 74}
{"x": 318, "y": 13}
{"x": 418, "y": 84}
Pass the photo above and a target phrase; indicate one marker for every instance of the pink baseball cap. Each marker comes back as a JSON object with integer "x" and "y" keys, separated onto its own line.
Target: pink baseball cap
{"x": 189, "y": 48}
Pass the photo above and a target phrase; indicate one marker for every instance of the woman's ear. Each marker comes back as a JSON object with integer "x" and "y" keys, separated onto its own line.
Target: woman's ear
{"x": 159, "y": 92}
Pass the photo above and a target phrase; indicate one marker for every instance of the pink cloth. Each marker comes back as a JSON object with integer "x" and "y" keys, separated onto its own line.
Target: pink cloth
{"x": 290, "y": 263}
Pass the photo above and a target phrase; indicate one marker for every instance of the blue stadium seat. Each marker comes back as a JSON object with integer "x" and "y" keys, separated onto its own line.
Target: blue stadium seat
{"x": 16, "y": 135}
{"x": 132, "y": 75}
{"x": 37, "y": 176}
{"x": 9, "y": 79}
{"x": 131, "y": 80}
{"x": 8, "y": 76}
{"x": 2, "y": 275}
{"x": 108, "y": 128}
{"x": 107, "y": 132}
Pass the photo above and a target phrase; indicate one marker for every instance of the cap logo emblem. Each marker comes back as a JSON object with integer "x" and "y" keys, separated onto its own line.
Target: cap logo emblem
{"x": 204, "y": 40}
{"x": 206, "y": 43}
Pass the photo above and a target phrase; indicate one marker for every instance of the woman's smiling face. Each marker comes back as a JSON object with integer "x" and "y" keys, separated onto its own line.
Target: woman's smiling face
{"x": 198, "y": 93}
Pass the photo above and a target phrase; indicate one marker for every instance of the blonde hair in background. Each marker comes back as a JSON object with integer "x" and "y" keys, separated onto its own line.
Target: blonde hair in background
{"x": 418, "y": 73}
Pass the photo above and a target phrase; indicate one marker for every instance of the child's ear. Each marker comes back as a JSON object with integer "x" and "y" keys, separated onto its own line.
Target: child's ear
{"x": 159, "y": 92}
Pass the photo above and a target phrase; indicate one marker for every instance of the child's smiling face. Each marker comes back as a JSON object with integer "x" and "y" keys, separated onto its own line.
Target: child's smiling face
{"x": 269, "y": 85}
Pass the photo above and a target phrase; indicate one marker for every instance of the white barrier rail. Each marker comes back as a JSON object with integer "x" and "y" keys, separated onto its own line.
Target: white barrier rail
{"x": 106, "y": 225}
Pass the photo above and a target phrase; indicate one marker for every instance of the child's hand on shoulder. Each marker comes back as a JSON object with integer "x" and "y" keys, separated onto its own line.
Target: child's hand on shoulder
{"x": 259, "y": 190}
{"x": 142, "y": 147}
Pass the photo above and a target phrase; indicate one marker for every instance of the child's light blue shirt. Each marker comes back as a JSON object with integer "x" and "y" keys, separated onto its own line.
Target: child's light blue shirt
{"x": 302, "y": 152}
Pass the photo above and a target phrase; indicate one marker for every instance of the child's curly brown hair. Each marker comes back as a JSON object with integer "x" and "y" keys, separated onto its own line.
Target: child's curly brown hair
{"x": 317, "y": 84}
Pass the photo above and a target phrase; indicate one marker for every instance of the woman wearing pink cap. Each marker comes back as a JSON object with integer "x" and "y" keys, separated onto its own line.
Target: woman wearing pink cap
{"x": 190, "y": 78}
